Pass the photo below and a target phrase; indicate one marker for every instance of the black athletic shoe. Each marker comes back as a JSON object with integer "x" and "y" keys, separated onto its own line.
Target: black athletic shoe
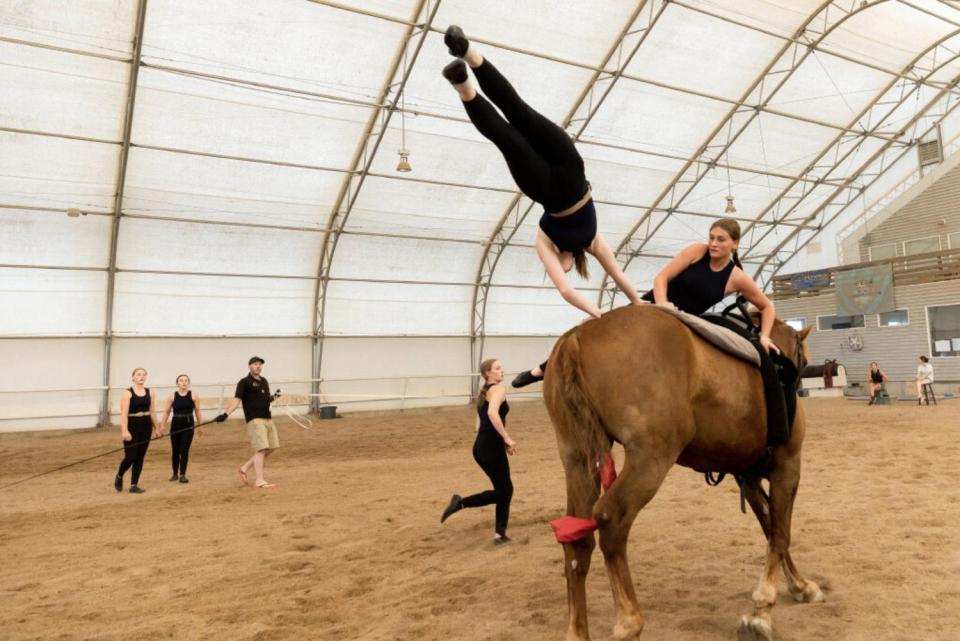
{"x": 136, "y": 490}
{"x": 500, "y": 540}
{"x": 174, "y": 477}
{"x": 525, "y": 378}
{"x": 184, "y": 479}
{"x": 118, "y": 483}
{"x": 456, "y": 504}
{"x": 456, "y": 72}
{"x": 457, "y": 43}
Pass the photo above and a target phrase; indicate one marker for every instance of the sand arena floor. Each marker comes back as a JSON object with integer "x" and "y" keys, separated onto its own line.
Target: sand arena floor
{"x": 348, "y": 546}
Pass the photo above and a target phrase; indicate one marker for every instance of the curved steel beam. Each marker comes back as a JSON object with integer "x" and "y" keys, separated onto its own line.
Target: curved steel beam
{"x": 824, "y": 21}
{"x": 584, "y": 108}
{"x": 874, "y": 116}
{"x": 844, "y": 196}
{"x": 365, "y": 153}
{"x": 118, "y": 207}
{"x": 836, "y": 54}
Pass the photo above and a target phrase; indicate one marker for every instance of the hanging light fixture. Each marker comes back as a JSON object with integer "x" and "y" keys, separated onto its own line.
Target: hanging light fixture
{"x": 404, "y": 165}
{"x": 730, "y": 208}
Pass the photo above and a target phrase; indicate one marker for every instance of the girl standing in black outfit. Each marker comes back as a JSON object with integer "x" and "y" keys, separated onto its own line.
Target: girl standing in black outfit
{"x": 490, "y": 450}
{"x": 546, "y": 167}
{"x": 138, "y": 422}
{"x": 185, "y": 404}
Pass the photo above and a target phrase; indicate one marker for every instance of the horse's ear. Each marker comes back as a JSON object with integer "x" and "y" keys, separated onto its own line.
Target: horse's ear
{"x": 804, "y": 332}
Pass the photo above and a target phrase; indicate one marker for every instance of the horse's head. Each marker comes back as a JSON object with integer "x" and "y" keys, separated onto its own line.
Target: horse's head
{"x": 791, "y": 344}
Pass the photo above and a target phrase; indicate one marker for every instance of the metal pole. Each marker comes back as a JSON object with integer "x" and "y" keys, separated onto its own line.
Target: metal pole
{"x": 118, "y": 206}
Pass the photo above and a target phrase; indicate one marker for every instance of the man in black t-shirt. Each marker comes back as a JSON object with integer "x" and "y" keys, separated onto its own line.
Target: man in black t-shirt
{"x": 253, "y": 391}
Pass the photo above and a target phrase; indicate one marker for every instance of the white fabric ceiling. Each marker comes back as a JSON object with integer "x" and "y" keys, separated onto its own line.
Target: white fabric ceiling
{"x": 259, "y": 192}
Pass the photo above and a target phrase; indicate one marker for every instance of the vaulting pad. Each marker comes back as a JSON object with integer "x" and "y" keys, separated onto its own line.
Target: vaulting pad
{"x": 721, "y": 337}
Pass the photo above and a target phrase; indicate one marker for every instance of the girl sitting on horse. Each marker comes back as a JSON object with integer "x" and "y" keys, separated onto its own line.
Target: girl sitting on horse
{"x": 698, "y": 278}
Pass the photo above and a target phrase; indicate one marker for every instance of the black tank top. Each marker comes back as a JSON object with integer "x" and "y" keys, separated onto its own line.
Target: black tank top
{"x": 183, "y": 405}
{"x": 139, "y": 403}
{"x": 485, "y": 424}
{"x": 697, "y": 288}
{"x": 877, "y": 377}
{"x": 572, "y": 233}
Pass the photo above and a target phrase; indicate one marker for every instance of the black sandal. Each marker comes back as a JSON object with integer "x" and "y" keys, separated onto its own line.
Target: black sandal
{"x": 457, "y": 43}
{"x": 456, "y": 72}
{"x": 526, "y": 378}
{"x": 455, "y": 505}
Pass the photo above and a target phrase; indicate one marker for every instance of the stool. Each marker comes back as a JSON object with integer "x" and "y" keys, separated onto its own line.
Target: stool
{"x": 928, "y": 394}
{"x": 880, "y": 397}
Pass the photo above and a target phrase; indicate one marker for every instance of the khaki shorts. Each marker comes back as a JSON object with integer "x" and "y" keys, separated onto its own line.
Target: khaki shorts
{"x": 263, "y": 434}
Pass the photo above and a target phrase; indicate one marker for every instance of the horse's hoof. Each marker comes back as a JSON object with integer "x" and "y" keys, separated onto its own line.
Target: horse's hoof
{"x": 628, "y": 629}
{"x": 754, "y": 629}
{"x": 811, "y": 593}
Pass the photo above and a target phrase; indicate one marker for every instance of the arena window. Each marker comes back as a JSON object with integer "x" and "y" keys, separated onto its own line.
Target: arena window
{"x": 827, "y": 323}
{"x": 944, "y": 326}
{"x": 879, "y": 252}
{"x": 796, "y": 323}
{"x": 921, "y": 245}
{"x": 896, "y": 318}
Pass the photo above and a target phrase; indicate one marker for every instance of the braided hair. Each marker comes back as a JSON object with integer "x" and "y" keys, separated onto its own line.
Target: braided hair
{"x": 485, "y": 368}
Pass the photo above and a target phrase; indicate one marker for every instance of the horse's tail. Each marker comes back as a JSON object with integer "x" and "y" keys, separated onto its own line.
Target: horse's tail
{"x": 583, "y": 426}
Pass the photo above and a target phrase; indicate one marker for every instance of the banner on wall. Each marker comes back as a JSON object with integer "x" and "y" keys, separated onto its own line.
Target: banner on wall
{"x": 868, "y": 290}
{"x": 811, "y": 280}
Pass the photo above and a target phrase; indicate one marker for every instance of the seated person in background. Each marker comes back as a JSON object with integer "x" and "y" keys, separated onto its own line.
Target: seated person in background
{"x": 876, "y": 379}
{"x": 924, "y": 376}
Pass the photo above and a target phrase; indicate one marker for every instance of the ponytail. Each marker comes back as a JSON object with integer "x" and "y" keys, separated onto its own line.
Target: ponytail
{"x": 736, "y": 260}
{"x": 485, "y": 368}
{"x": 482, "y": 396}
{"x": 580, "y": 261}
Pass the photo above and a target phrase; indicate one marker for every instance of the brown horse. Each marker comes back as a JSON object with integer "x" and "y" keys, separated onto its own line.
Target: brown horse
{"x": 640, "y": 377}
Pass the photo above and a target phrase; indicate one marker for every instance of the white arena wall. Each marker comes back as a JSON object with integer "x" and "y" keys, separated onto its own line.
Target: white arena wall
{"x": 357, "y": 374}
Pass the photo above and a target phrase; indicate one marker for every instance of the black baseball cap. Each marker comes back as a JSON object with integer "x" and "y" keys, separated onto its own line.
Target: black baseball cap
{"x": 254, "y": 359}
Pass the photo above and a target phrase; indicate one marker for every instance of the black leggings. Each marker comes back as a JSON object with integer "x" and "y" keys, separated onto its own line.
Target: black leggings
{"x": 541, "y": 156}
{"x": 181, "y": 436}
{"x": 134, "y": 451}
{"x": 491, "y": 455}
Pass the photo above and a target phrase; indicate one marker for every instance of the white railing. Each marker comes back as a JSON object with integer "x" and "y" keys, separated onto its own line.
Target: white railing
{"x": 382, "y": 392}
